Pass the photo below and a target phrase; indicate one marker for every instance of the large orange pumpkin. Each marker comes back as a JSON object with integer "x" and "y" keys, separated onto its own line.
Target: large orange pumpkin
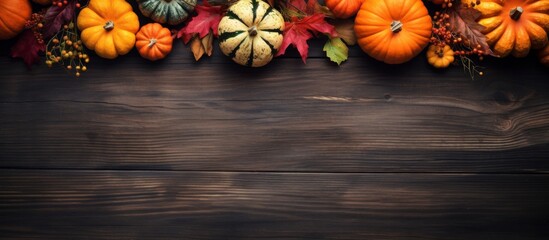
{"x": 154, "y": 42}
{"x": 393, "y": 31}
{"x": 13, "y": 15}
{"x": 344, "y": 8}
{"x": 515, "y": 26}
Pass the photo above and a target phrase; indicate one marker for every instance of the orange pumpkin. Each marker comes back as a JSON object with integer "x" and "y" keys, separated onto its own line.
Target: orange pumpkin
{"x": 154, "y": 42}
{"x": 344, "y": 8}
{"x": 13, "y": 15}
{"x": 515, "y": 26}
{"x": 440, "y": 57}
{"x": 544, "y": 56}
{"x": 393, "y": 31}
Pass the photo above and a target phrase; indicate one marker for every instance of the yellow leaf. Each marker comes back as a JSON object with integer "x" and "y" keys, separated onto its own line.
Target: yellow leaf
{"x": 197, "y": 48}
{"x": 207, "y": 43}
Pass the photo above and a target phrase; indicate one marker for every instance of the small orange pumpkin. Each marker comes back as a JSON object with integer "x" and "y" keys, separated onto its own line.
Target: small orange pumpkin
{"x": 108, "y": 27}
{"x": 544, "y": 56}
{"x": 13, "y": 15}
{"x": 440, "y": 57}
{"x": 393, "y": 31}
{"x": 154, "y": 42}
{"x": 344, "y": 8}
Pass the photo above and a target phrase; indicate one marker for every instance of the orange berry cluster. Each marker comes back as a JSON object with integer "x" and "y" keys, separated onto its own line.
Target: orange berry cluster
{"x": 443, "y": 35}
{"x": 66, "y": 48}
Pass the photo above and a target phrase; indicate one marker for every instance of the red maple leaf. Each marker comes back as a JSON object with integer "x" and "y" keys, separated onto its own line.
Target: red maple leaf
{"x": 27, "y": 48}
{"x": 298, "y": 31}
{"x": 206, "y": 20}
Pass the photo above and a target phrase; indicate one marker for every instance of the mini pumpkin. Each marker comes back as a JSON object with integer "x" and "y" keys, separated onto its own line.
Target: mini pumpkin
{"x": 13, "y": 15}
{"x": 393, "y": 31}
{"x": 544, "y": 56}
{"x": 514, "y": 26}
{"x": 108, "y": 27}
{"x": 251, "y": 32}
{"x": 440, "y": 57}
{"x": 172, "y": 12}
{"x": 153, "y": 42}
{"x": 344, "y": 8}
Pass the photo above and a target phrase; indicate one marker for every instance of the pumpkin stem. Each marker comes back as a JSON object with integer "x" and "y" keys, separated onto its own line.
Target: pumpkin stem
{"x": 440, "y": 52}
{"x": 152, "y": 42}
{"x": 252, "y": 31}
{"x": 396, "y": 26}
{"x": 515, "y": 13}
{"x": 109, "y": 25}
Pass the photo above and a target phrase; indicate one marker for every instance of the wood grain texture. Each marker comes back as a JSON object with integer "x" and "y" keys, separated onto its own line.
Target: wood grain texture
{"x": 183, "y": 150}
{"x": 222, "y": 205}
{"x": 364, "y": 116}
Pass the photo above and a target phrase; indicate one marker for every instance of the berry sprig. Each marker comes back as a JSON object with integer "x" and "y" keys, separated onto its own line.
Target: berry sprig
{"x": 66, "y": 49}
{"x": 443, "y": 35}
{"x": 35, "y": 24}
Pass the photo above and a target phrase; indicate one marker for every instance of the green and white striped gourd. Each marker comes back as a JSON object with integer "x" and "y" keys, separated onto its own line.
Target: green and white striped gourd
{"x": 172, "y": 12}
{"x": 251, "y": 32}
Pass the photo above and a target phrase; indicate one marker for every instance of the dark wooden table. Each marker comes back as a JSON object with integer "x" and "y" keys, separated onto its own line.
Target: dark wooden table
{"x": 183, "y": 150}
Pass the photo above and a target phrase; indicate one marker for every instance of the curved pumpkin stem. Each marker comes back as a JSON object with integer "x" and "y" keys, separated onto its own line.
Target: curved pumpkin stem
{"x": 152, "y": 42}
{"x": 252, "y": 31}
{"x": 516, "y": 12}
{"x": 109, "y": 25}
{"x": 396, "y": 26}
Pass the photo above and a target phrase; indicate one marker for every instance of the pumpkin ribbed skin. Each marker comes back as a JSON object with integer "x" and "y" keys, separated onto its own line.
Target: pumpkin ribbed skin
{"x": 13, "y": 15}
{"x": 506, "y": 35}
{"x": 344, "y": 8}
{"x": 544, "y": 56}
{"x": 153, "y": 42}
{"x": 251, "y": 32}
{"x": 440, "y": 57}
{"x": 172, "y": 12}
{"x": 379, "y": 35}
{"x": 108, "y": 27}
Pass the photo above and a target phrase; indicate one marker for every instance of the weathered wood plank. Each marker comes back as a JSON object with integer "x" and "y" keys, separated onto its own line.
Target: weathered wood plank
{"x": 361, "y": 117}
{"x": 225, "y": 205}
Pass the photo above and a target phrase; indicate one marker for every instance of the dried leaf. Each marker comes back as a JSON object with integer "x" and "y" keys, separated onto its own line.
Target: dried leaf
{"x": 302, "y": 8}
{"x": 27, "y": 48}
{"x": 345, "y": 29}
{"x": 463, "y": 21}
{"x": 200, "y": 46}
{"x": 207, "y": 43}
{"x": 56, "y": 17}
{"x": 336, "y": 50}
{"x": 197, "y": 48}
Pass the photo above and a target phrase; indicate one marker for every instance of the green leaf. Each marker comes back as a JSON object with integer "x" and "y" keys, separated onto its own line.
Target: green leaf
{"x": 336, "y": 50}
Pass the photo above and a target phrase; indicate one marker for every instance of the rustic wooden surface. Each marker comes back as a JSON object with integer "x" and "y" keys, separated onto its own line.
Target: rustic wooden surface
{"x": 210, "y": 150}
